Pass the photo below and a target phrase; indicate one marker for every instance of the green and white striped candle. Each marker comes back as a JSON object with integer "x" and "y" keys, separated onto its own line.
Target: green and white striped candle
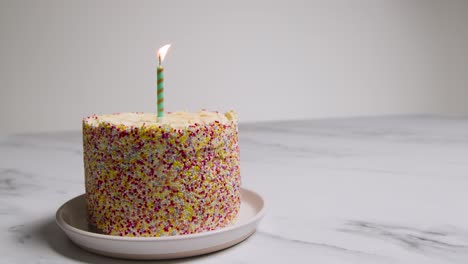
{"x": 160, "y": 91}
{"x": 160, "y": 79}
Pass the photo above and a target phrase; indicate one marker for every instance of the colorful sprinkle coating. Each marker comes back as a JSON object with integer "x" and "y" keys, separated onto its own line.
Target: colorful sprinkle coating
{"x": 157, "y": 180}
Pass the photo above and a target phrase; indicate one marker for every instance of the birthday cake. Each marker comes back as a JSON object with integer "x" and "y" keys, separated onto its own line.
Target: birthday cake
{"x": 150, "y": 176}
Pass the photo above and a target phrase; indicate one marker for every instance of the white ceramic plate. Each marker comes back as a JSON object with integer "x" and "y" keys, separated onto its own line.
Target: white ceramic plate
{"x": 71, "y": 217}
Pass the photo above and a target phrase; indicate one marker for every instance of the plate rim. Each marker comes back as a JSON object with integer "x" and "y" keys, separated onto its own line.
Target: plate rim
{"x": 67, "y": 227}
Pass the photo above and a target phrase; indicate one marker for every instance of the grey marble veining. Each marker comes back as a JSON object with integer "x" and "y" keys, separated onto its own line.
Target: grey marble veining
{"x": 350, "y": 190}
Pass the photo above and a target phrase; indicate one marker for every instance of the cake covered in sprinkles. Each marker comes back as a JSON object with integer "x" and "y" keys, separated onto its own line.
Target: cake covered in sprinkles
{"x": 150, "y": 176}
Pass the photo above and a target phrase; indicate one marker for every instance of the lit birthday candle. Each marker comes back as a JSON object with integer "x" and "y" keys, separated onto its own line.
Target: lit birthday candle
{"x": 160, "y": 77}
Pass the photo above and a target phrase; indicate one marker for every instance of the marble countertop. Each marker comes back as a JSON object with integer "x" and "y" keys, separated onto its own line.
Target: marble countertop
{"x": 354, "y": 190}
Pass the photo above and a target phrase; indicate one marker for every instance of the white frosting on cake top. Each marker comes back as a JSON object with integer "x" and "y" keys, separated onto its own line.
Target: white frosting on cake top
{"x": 173, "y": 119}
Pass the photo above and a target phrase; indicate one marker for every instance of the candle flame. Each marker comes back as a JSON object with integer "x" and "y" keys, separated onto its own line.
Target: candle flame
{"x": 162, "y": 52}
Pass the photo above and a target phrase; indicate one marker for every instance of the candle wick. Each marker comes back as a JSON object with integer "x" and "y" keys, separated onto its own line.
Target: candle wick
{"x": 159, "y": 59}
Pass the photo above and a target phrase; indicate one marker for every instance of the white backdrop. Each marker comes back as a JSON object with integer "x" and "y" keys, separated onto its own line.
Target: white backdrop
{"x": 269, "y": 60}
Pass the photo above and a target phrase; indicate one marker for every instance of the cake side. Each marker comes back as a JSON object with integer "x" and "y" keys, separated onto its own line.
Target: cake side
{"x": 150, "y": 177}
